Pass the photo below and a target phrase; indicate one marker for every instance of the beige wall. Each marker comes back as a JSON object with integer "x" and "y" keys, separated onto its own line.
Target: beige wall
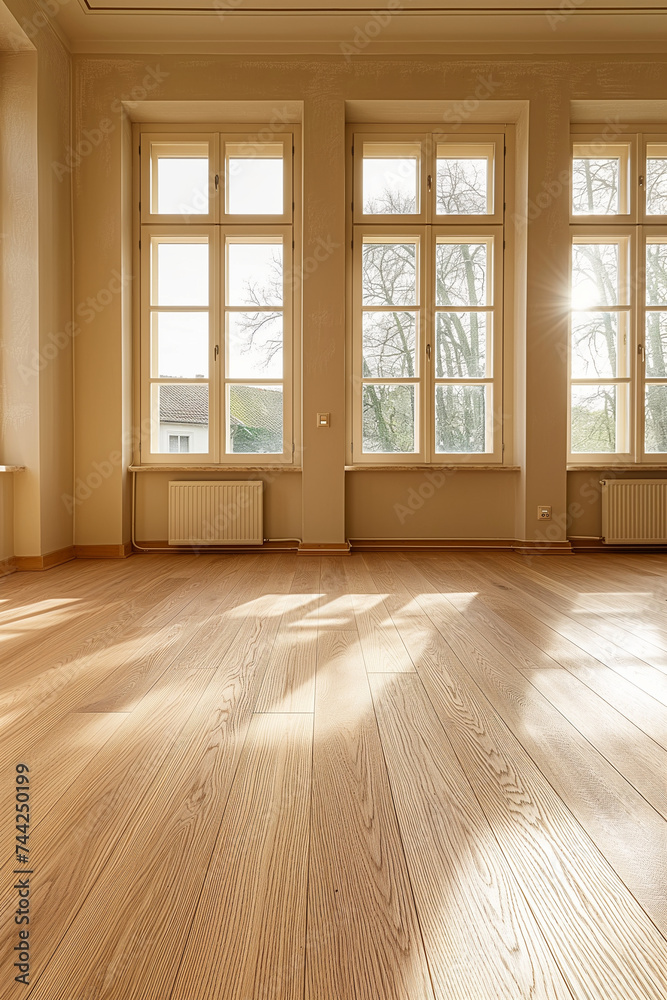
{"x": 324, "y": 503}
{"x": 37, "y": 418}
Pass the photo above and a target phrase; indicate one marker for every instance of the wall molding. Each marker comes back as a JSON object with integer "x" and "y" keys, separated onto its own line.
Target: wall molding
{"x": 48, "y": 561}
{"x": 7, "y": 566}
{"x": 593, "y": 544}
{"x": 121, "y": 551}
{"x": 162, "y": 546}
{"x": 530, "y": 547}
{"x": 324, "y": 549}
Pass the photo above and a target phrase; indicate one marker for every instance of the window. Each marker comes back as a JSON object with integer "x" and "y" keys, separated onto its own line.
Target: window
{"x": 618, "y": 323}
{"x": 217, "y": 239}
{"x": 427, "y": 301}
{"x": 179, "y": 443}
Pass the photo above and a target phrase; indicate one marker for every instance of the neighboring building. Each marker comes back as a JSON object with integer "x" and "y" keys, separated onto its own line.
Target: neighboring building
{"x": 183, "y": 418}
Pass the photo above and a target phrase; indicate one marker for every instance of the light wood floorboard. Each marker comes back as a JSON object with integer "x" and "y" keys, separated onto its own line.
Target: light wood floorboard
{"x": 388, "y": 776}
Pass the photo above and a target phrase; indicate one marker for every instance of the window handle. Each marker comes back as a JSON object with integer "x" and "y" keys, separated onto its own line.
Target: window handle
{"x": 429, "y": 182}
{"x": 216, "y": 352}
{"x": 217, "y": 181}
{"x": 428, "y": 351}
{"x": 642, "y": 353}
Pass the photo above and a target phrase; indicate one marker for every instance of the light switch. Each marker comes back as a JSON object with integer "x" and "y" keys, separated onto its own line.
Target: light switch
{"x": 323, "y": 419}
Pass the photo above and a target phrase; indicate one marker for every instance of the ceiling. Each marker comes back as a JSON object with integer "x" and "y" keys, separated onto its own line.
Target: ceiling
{"x": 326, "y": 26}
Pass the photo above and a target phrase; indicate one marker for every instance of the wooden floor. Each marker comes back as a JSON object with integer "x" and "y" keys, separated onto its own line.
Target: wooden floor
{"x": 383, "y": 777}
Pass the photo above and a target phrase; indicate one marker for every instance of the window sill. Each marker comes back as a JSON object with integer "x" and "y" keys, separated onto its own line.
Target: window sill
{"x": 433, "y": 468}
{"x": 214, "y": 468}
{"x": 624, "y": 467}
{"x": 12, "y": 468}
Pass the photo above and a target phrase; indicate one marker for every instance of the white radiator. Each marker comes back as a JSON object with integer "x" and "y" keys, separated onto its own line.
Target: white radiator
{"x": 215, "y": 513}
{"x": 634, "y": 511}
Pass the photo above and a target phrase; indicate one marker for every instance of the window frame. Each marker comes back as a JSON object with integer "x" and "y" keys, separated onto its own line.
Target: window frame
{"x": 637, "y": 228}
{"x": 428, "y": 227}
{"x": 218, "y": 225}
{"x": 591, "y": 139}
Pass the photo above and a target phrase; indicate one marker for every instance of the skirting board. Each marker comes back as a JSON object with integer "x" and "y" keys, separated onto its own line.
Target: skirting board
{"x": 159, "y": 546}
{"x": 372, "y": 544}
{"x": 48, "y": 561}
{"x": 529, "y": 547}
{"x": 7, "y": 566}
{"x": 597, "y": 545}
{"x": 324, "y": 549}
{"x": 121, "y": 551}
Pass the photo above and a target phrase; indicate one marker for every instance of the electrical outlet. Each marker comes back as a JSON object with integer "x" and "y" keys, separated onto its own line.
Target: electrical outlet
{"x": 543, "y": 513}
{"x": 323, "y": 419}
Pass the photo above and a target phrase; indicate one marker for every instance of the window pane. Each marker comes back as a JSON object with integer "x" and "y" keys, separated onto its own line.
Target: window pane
{"x": 595, "y": 275}
{"x": 389, "y": 274}
{"x": 656, "y": 274}
{"x": 594, "y": 418}
{"x": 388, "y": 420}
{"x": 180, "y": 409}
{"x": 182, "y": 344}
{"x": 656, "y": 180}
{"x": 182, "y": 185}
{"x": 595, "y": 345}
{"x": 461, "y": 186}
{"x": 179, "y": 444}
{"x": 255, "y": 419}
{"x": 460, "y": 419}
{"x": 182, "y": 274}
{"x": 255, "y": 179}
{"x": 461, "y": 340}
{"x": 255, "y": 345}
{"x": 254, "y": 274}
{"x": 389, "y": 345}
{"x": 595, "y": 185}
{"x": 461, "y": 274}
{"x": 391, "y": 179}
{"x": 656, "y": 344}
{"x": 656, "y": 418}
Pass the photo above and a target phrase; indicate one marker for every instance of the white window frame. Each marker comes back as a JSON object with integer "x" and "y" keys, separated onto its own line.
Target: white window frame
{"x": 426, "y": 227}
{"x": 635, "y": 227}
{"x": 218, "y": 226}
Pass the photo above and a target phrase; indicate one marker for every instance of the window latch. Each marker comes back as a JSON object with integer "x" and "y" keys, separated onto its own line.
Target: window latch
{"x": 641, "y": 352}
{"x": 217, "y": 181}
{"x": 428, "y": 351}
{"x": 216, "y": 351}
{"x": 429, "y": 182}
{"x": 641, "y": 180}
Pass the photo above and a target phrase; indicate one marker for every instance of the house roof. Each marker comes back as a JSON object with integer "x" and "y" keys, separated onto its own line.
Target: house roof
{"x": 184, "y": 403}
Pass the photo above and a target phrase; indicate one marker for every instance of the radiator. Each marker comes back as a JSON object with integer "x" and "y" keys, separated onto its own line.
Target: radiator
{"x": 215, "y": 513}
{"x": 634, "y": 511}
